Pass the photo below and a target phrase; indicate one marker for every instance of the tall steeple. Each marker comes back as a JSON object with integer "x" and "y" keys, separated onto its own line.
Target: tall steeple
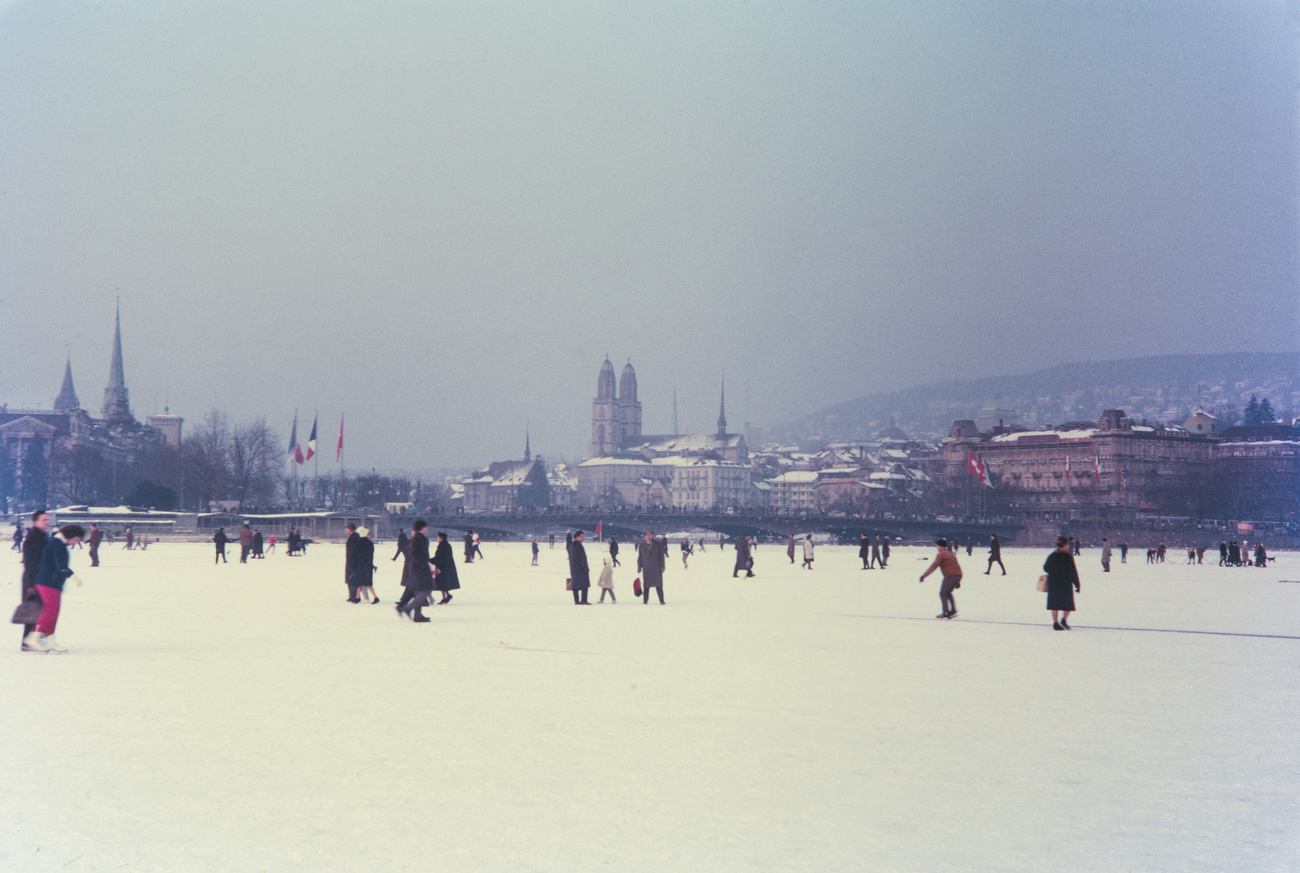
{"x": 528, "y": 448}
{"x": 67, "y": 399}
{"x": 117, "y": 407}
{"x": 722, "y": 409}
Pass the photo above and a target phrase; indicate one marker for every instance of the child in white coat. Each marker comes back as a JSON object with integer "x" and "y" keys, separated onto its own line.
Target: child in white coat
{"x": 607, "y": 583}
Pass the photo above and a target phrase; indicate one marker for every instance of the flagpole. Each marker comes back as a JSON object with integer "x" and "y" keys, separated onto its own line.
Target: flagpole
{"x": 315, "y": 470}
{"x": 338, "y": 456}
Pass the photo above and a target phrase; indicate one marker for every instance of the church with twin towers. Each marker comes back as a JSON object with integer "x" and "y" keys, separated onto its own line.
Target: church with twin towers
{"x": 616, "y": 425}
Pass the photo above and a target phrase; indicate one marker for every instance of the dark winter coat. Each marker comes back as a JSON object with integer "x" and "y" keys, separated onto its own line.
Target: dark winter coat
{"x": 33, "y": 548}
{"x": 742, "y": 556}
{"x": 445, "y": 561}
{"x": 995, "y": 550}
{"x": 417, "y": 572}
{"x": 54, "y": 570}
{"x": 402, "y": 541}
{"x": 579, "y": 575}
{"x": 221, "y": 539}
{"x": 363, "y": 557}
{"x": 650, "y": 559}
{"x": 1062, "y": 580}
{"x": 350, "y": 559}
{"x": 613, "y": 548}
{"x": 469, "y": 547}
{"x": 864, "y": 550}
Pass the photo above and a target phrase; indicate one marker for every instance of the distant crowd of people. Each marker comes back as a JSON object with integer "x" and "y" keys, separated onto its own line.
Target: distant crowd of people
{"x": 427, "y": 568}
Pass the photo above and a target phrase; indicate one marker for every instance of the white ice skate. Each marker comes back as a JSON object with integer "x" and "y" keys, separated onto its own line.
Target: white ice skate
{"x": 52, "y": 646}
{"x": 35, "y": 642}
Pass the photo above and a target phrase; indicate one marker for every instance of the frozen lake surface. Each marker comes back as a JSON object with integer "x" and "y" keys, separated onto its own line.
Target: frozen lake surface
{"x": 246, "y": 718}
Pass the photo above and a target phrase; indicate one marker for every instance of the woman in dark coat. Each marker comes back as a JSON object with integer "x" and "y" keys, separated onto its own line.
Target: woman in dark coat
{"x": 1062, "y": 582}
{"x": 864, "y": 552}
{"x": 417, "y": 575}
{"x": 443, "y": 559}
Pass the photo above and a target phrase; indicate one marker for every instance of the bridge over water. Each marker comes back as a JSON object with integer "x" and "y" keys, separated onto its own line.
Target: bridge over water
{"x": 627, "y": 525}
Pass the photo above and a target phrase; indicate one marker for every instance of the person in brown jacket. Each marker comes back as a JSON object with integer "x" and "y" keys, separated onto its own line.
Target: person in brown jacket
{"x": 946, "y": 562}
{"x": 245, "y": 543}
{"x": 96, "y": 537}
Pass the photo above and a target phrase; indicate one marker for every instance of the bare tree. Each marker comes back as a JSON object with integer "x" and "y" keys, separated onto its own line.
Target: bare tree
{"x": 207, "y": 458}
{"x": 254, "y": 450}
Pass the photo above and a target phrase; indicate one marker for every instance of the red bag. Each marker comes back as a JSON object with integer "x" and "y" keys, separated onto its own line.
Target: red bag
{"x": 636, "y": 587}
{"x": 568, "y": 584}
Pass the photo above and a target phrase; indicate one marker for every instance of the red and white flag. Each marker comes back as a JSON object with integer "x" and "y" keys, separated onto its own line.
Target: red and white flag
{"x": 598, "y": 524}
{"x": 338, "y": 453}
{"x": 1067, "y": 466}
{"x": 978, "y": 468}
{"x": 1096, "y": 469}
{"x": 311, "y": 440}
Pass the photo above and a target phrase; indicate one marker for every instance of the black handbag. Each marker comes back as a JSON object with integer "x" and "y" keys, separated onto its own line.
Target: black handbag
{"x": 28, "y": 612}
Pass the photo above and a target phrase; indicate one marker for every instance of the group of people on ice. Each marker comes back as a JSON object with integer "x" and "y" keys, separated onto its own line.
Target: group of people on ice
{"x": 651, "y": 560}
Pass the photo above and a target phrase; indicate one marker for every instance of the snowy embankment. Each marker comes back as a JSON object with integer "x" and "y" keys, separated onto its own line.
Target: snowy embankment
{"x": 243, "y": 718}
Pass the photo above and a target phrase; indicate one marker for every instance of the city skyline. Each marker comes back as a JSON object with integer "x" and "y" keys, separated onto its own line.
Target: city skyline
{"x": 439, "y": 219}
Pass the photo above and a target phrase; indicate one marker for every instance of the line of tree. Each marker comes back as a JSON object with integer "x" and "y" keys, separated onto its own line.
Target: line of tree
{"x": 1258, "y": 412}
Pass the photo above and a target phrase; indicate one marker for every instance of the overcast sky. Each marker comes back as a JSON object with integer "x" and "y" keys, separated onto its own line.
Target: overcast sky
{"x": 440, "y": 217}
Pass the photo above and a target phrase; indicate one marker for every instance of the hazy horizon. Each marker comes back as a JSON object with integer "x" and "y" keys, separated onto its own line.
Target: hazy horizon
{"x": 440, "y": 219}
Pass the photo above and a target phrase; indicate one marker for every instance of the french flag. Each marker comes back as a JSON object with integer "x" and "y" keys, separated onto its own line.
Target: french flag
{"x": 311, "y": 440}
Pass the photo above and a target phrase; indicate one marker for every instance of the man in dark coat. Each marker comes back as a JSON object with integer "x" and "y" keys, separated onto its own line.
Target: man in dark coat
{"x": 884, "y": 553}
{"x": 350, "y": 562}
{"x": 651, "y": 557}
{"x": 613, "y": 550}
{"x": 220, "y": 539}
{"x": 875, "y": 553}
{"x": 447, "y": 579}
{"x": 417, "y": 574}
{"x": 995, "y": 555}
{"x": 579, "y": 574}
{"x": 33, "y": 547}
{"x": 864, "y": 551}
{"x": 743, "y": 562}
{"x": 258, "y": 544}
{"x": 96, "y": 537}
{"x": 469, "y": 547}
{"x": 401, "y": 544}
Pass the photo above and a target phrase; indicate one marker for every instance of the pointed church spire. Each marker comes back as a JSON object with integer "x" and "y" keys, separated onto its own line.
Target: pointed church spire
{"x": 117, "y": 407}
{"x": 67, "y": 400}
{"x": 528, "y": 448}
{"x": 722, "y": 408}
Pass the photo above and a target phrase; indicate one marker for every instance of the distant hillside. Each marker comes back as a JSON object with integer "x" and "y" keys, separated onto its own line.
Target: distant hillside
{"x": 1163, "y": 388}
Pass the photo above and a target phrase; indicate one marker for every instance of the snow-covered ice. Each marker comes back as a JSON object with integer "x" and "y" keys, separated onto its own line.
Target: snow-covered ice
{"x": 246, "y": 718}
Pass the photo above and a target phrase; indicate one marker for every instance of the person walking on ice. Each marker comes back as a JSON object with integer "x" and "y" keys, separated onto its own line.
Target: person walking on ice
{"x": 1062, "y": 582}
{"x": 607, "y": 583}
{"x": 995, "y": 555}
{"x": 946, "y": 562}
{"x": 807, "y": 553}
